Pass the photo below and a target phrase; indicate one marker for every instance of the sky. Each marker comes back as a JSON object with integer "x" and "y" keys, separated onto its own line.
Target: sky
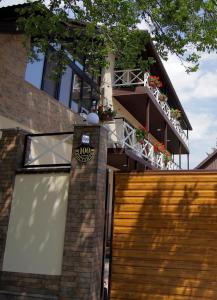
{"x": 198, "y": 95}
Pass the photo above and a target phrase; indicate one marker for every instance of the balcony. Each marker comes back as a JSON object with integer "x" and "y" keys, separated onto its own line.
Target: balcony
{"x": 122, "y": 135}
{"x": 132, "y": 78}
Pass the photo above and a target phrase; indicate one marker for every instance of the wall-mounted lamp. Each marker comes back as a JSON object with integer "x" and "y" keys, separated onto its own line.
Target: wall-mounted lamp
{"x": 92, "y": 118}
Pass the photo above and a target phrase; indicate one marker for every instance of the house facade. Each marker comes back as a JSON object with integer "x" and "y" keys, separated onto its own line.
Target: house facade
{"x": 209, "y": 163}
{"x": 53, "y": 209}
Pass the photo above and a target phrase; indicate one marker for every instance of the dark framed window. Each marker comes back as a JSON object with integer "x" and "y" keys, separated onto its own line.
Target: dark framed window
{"x": 49, "y": 84}
{"x": 76, "y": 88}
{"x": 65, "y": 86}
{"x": 76, "y": 93}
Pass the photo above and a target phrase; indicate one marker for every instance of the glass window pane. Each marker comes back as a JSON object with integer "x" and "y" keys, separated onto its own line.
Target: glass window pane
{"x": 76, "y": 89}
{"x": 87, "y": 99}
{"x": 49, "y": 84}
{"x": 76, "y": 93}
{"x": 65, "y": 86}
{"x": 34, "y": 71}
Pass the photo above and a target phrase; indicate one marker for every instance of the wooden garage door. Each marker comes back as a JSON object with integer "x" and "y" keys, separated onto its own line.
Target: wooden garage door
{"x": 165, "y": 236}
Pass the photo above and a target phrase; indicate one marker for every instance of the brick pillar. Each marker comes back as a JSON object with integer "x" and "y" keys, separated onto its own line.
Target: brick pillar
{"x": 11, "y": 153}
{"x": 83, "y": 248}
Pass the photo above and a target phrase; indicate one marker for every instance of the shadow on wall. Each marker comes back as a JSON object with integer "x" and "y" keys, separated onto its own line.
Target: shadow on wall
{"x": 9, "y": 155}
{"x": 37, "y": 224}
{"x": 165, "y": 238}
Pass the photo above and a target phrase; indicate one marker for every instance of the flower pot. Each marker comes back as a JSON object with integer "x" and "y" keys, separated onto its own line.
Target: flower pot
{"x": 106, "y": 118}
{"x": 152, "y": 84}
{"x": 162, "y": 97}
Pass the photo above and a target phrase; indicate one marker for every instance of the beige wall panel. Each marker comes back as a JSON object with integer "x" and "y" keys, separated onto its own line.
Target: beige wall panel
{"x": 6, "y": 123}
{"x": 37, "y": 224}
{"x": 123, "y": 113}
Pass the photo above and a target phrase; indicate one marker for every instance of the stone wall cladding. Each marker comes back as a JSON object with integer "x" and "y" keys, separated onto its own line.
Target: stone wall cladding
{"x": 84, "y": 233}
{"x": 11, "y": 152}
{"x": 13, "y": 53}
{"x": 22, "y": 102}
{"x": 83, "y": 250}
{"x": 17, "y": 285}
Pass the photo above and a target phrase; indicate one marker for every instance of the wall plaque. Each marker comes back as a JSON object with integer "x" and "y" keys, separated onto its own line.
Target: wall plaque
{"x": 84, "y": 153}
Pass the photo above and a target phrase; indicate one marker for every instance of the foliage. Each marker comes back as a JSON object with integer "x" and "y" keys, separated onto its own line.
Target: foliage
{"x": 183, "y": 27}
{"x": 106, "y": 113}
{"x": 167, "y": 157}
{"x": 141, "y": 134}
{"x": 160, "y": 148}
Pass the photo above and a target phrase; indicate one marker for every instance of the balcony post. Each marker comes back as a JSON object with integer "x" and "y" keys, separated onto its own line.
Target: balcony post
{"x": 180, "y": 156}
{"x": 165, "y": 135}
{"x": 147, "y": 114}
{"x": 188, "y": 161}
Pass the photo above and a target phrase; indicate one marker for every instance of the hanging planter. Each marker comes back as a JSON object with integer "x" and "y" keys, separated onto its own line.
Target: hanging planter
{"x": 175, "y": 113}
{"x": 159, "y": 148}
{"x": 154, "y": 81}
{"x": 141, "y": 134}
{"x": 162, "y": 97}
{"x": 106, "y": 113}
{"x": 167, "y": 157}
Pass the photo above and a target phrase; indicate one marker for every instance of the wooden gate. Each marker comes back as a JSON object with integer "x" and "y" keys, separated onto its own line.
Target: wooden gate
{"x": 164, "y": 243}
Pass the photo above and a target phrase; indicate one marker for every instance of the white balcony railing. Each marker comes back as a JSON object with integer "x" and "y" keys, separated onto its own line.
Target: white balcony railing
{"x": 137, "y": 77}
{"x": 123, "y": 135}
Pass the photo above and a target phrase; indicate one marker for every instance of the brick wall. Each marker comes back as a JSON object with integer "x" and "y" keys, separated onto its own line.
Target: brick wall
{"x": 13, "y": 54}
{"x": 21, "y": 101}
{"x": 82, "y": 261}
{"x": 84, "y": 233}
{"x": 11, "y": 151}
{"x": 18, "y": 286}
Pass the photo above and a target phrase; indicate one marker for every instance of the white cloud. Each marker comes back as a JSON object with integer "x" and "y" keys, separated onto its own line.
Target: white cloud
{"x": 206, "y": 86}
{"x": 198, "y": 93}
{"x": 194, "y": 86}
{"x": 203, "y": 125}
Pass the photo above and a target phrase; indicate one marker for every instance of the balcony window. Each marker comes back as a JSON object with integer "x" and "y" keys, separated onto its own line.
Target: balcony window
{"x": 87, "y": 96}
{"x": 71, "y": 89}
{"x": 65, "y": 87}
{"x": 49, "y": 85}
{"x": 34, "y": 71}
{"x": 76, "y": 93}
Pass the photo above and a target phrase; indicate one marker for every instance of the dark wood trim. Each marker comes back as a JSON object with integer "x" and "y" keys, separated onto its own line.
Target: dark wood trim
{"x": 41, "y": 170}
{"x": 104, "y": 236}
{"x": 145, "y": 91}
{"x": 111, "y": 242}
{"x": 180, "y": 155}
{"x": 165, "y": 134}
{"x": 147, "y": 125}
{"x": 167, "y": 120}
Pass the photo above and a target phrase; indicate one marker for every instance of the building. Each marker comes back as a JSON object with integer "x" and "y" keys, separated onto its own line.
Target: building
{"x": 209, "y": 163}
{"x": 52, "y": 208}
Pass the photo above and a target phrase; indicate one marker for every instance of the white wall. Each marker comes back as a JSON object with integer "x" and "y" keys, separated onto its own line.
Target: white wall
{"x": 37, "y": 224}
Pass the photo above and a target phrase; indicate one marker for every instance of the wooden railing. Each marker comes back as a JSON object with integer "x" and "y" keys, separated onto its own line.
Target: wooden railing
{"x": 123, "y": 135}
{"x": 137, "y": 77}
